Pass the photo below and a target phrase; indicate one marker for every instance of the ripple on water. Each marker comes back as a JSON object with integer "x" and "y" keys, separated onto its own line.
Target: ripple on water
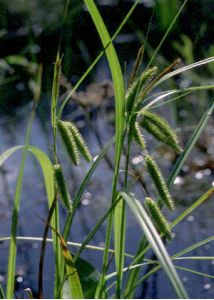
{"x": 199, "y": 175}
{"x": 179, "y": 180}
{"x": 190, "y": 218}
{"x": 207, "y": 286}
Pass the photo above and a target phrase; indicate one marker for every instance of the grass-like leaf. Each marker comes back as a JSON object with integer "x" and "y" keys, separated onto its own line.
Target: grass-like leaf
{"x": 160, "y": 96}
{"x": 72, "y": 274}
{"x": 144, "y": 249}
{"x": 116, "y": 73}
{"x": 83, "y": 185}
{"x": 203, "y": 198}
{"x": 16, "y": 207}
{"x": 93, "y": 64}
{"x": 79, "y": 194}
{"x": 191, "y": 143}
{"x": 119, "y": 91}
{"x": 195, "y": 272}
{"x": 47, "y": 170}
{"x": 155, "y": 242}
{"x": 2, "y": 296}
{"x": 186, "y": 68}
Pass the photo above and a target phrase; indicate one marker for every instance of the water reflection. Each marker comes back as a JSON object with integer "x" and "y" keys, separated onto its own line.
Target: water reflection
{"x": 95, "y": 201}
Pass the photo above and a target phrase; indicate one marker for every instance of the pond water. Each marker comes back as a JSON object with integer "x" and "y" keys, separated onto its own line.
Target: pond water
{"x": 195, "y": 179}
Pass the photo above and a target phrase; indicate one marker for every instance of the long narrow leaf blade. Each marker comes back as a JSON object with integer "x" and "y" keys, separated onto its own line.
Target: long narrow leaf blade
{"x": 44, "y": 162}
{"x": 186, "y": 68}
{"x": 196, "y": 134}
{"x": 119, "y": 91}
{"x": 203, "y": 198}
{"x": 116, "y": 71}
{"x": 1, "y": 292}
{"x": 73, "y": 277}
{"x": 83, "y": 185}
{"x": 155, "y": 243}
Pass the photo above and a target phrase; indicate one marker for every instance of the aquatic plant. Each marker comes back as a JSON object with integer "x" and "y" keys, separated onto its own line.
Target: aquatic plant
{"x": 133, "y": 116}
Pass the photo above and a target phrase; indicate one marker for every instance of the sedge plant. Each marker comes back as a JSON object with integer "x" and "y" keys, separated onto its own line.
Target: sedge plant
{"x": 134, "y": 116}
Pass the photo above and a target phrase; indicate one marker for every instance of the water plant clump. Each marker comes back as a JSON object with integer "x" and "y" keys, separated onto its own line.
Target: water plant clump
{"x": 135, "y": 122}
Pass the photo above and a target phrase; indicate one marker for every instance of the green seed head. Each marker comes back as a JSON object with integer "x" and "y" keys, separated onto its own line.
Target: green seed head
{"x": 159, "y": 182}
{"x": 158, "y": 217}
{"x": 68, "y": 140}
{"x": 64, "y": 195}
{"x": 80, "y": 143}
{"x": 149, "y": 74}
{"x": 160, "y": 129}
{"x": 131, "y": 95}
{"x": 136, "y": 89}
{"x": 138, "y": 137}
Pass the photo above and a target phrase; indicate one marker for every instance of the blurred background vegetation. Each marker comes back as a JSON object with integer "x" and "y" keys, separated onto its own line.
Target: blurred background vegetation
{"x": 29, "y": 37}
{"x": 30, "y": 33}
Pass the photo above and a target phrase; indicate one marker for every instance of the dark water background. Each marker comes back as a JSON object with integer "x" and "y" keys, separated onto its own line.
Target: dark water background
{"x": 195, "y": 178}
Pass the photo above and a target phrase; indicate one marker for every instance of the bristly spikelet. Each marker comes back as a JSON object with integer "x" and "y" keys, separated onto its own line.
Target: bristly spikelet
{"x": 55, "y": 88}
{"x": 159, "y": 182}
{"x": 148, "y": 75}
{"x": 138, "y": 136}
{"x": 152, "y": 82}
{"x": 148, "y": 78}
{"x": 131, "y": 95}
{"x": 134, "y": 91}
{"x": 64, "y": 195}
{"x": 68, "y": 141}
{"x": 81, "y": 145}
{"x": 160, "y": 129}
{"x": 137, "y": 64}
{"x": 158, "y": 217}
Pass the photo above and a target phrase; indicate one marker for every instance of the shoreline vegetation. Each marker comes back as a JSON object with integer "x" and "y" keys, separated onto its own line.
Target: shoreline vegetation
{"x": 136, "y": 122}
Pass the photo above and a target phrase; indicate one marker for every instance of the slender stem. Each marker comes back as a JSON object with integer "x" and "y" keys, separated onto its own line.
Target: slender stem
{"x": 55, "y": 222}
{"x": 15, "y": 213}
{"x": 101, "y": 289}
{"x": 122, "y": 217}
{"x": 91, "y": 67}
{"x": 43, "y": 247}
{"x": 57, "y": 227}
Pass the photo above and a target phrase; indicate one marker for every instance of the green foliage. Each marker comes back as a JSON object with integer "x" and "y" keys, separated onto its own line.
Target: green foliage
{"x": 81, "y": 145}
{"x": 73, "y": 141}
{"x": 68, "y": 140}
{"x": 89, "y": 277}
{"x": 155, "y": 242}
{"x": 159, "y": 182}
{"x": 119, "y": 90}
{"x": 185, "y": 49}
{"x": 138, "y": 137}
{"x": 2, "y": 296}
{"x": 134, "y": 92}
{"x": 55, "y": 88}
{"x": 64, "y": 195}
{"x": 131, "y": 95}
{"x": 158, "y": 217}
{"x": 160, "y": 129}
{"x": 165, "y": 11}
{"x": 81, "y": 278}
{"x": 74, "y": 283}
